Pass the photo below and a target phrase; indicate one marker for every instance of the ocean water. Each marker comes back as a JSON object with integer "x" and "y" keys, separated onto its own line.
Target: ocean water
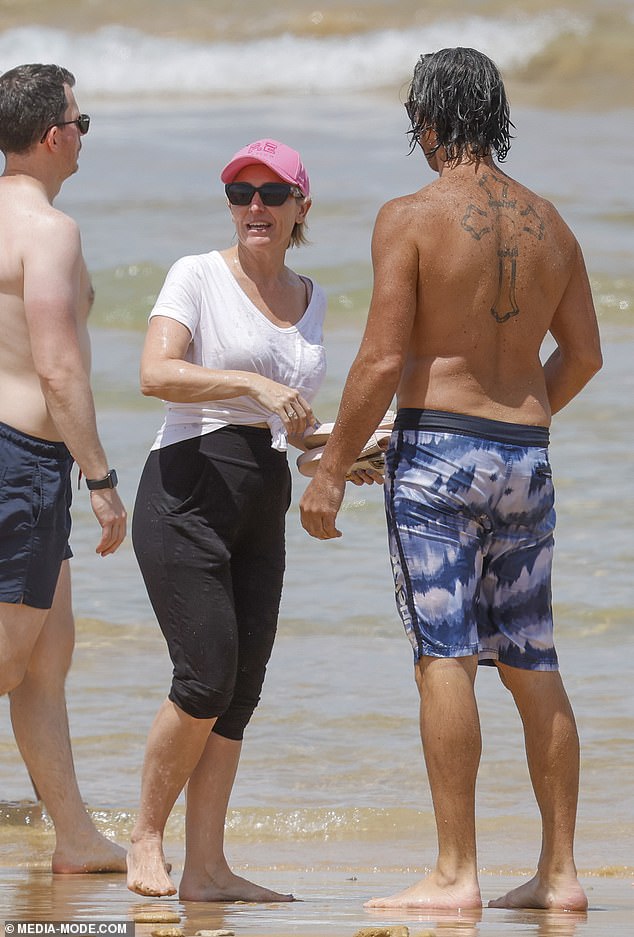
{"x": 332, "y": 780}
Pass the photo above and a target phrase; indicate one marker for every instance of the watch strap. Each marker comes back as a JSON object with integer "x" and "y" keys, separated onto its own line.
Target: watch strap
{"x": 109, "y": 480}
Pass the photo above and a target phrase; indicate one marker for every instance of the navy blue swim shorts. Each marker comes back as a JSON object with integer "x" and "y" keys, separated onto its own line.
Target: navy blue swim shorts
{"x": 35, "y": 498}
{"x": 470, "y": 512}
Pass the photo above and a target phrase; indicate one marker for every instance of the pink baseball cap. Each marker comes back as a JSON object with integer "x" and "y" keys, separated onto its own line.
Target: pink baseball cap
{"x": 283, "y": 160}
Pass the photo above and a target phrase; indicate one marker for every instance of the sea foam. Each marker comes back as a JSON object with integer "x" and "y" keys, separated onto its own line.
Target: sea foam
{"x": 115, "y": 61}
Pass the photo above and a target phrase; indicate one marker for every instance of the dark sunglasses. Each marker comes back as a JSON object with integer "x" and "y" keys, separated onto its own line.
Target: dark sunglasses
{"x": 271, "y": 193}
{"x": 83, "y": 124}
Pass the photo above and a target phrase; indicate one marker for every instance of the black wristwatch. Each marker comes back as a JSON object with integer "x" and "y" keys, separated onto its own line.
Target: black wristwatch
{"x": 108, "y": 481}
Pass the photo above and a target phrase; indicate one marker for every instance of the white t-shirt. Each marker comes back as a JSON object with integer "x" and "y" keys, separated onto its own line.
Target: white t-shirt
{"x": 230, "y": 333}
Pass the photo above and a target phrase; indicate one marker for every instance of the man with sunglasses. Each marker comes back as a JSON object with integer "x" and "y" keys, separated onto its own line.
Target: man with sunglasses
{"x": 470, "y": 274}
{"x": 47, "y": 421}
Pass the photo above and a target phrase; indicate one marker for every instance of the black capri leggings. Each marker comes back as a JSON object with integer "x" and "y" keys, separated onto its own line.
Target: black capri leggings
{"x": 208, "y": 533}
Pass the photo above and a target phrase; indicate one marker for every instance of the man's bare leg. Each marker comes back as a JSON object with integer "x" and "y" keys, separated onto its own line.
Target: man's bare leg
{"x": 450, "y": 731}
{"x": 40, "y": 724}
{"x": 207, "y": 876}
{"x": 552, "y": 752}
{"x": 174, "y": 747}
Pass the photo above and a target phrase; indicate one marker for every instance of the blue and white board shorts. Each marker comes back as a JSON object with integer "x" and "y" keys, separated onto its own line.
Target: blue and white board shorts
{"x": 470, "y": 514}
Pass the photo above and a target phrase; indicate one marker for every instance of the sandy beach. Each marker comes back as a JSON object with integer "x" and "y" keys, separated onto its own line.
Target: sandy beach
{"x": 331, "y": 882}
{"x": 331, "y": 904}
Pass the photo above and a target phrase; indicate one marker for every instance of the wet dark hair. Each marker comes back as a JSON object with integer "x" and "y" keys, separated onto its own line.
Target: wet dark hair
{"x": 459, "y": 94}
{"x": 32, "y": 98}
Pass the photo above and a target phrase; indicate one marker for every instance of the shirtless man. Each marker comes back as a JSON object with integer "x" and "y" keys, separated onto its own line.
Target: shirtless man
{"x": 470, "y": 273}
{"x": 47, "y": 420}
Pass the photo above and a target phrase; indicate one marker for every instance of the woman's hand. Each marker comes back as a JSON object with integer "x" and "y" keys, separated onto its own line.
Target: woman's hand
{"x": 294, "y": 411}
{"x": 365, "y": 477}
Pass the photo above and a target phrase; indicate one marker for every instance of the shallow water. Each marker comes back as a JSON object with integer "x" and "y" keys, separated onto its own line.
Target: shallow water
{"x": 331, "y": 903}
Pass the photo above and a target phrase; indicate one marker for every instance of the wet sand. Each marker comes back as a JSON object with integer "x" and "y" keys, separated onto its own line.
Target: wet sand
{"x": 331, "y": 904}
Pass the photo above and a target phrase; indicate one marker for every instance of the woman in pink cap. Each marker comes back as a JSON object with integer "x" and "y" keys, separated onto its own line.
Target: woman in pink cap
{"x": 234, "y": 348}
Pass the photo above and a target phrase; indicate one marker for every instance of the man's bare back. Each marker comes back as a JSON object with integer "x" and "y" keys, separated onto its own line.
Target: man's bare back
{"x": 496, "y": 266}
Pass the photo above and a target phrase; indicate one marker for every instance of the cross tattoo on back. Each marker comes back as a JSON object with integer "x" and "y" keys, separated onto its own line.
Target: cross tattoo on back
{"x": 502, "y": 214}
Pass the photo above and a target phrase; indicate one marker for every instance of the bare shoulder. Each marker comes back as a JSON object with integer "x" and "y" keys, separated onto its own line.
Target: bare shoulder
{"x": 538, "y": 210}
{"x": 531, "y": 197}
{"x": 413, "y": 201}
{"x": 407, "y": 211}
{"x": 53, "y": 240}
{"x": 25, "y": 206}
{"x": 50, "y": 221}
{"x": 39, "y": 245}
{"x": 53, "y": 268}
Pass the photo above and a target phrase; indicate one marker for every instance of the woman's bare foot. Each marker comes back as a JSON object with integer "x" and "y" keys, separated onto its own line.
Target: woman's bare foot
{"x": 433, "y": 893}
{"x": 95, "y": 853}
{"x": 148, "y": 871}
{"x": 225, "y": 886}
{"x": 563, "y": 894}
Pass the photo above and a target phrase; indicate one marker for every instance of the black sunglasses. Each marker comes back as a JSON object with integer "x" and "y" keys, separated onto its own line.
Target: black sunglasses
{"x": 271, "y": 193}
{"x": 83, "y": 124}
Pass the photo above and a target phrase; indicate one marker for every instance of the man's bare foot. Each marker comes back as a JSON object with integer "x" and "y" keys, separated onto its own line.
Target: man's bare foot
{"x": 433, "y": 893}
{"x": 94, "y": 854}
{"x": 225, "y": 887}
{"x": 148, "y": 871}
{"x": 563, "y": 894}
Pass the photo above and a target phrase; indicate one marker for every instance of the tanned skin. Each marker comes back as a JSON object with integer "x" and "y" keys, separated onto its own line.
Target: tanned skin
{"x": 45, "y": 298}
{"x": 470, "y": 274}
